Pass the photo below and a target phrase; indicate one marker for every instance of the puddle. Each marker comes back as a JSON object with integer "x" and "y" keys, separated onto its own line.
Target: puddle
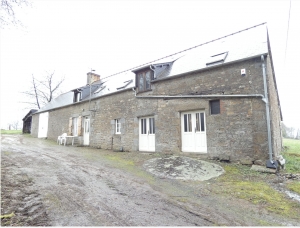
{"x": 184, "y": 168}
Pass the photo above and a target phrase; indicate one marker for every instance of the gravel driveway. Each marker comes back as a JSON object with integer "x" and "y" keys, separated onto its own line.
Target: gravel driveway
{"x": 47, "y": 184}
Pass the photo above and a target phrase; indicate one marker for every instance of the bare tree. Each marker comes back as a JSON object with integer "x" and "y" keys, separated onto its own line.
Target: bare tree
{"x": 289, "y": 132}
{"x": 284, "y": 130}
{"x": 7, "y": 12}
{"x": 298, "y": 134}
{"x": 43, "y": 91}
{"x": 13, "y": 125}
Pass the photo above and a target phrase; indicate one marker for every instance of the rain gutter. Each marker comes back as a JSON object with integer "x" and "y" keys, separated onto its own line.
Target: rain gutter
{"x": 197, "y": 96}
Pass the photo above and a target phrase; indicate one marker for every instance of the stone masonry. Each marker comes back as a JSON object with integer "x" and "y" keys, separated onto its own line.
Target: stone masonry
{"x": 238, "y": 133}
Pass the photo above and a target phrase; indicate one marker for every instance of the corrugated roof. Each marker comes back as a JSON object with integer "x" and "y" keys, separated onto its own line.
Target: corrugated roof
{"x": 238, "y": 46}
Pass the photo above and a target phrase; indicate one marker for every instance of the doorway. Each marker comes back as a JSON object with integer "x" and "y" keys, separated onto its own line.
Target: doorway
{"x": 147, "y": 134}
{"x": 193, "y": 130}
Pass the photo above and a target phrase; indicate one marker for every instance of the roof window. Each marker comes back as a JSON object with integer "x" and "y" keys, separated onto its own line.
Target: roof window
{"x": 216, "y": 59}
{"x": 100, "y": 89}
{"x": 126, "y": 83}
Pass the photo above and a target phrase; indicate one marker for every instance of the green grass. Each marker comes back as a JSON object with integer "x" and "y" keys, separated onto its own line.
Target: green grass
{"x": 291, "y": 154}
{"x": 294, "y": 186}
{"x": 11, "y": 132}
{"x": 241, "y": 182}
{"x": 128, "y": 163}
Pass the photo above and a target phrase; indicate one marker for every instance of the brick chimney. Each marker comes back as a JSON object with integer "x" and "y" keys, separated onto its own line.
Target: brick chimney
{"x": 92, "y": 77}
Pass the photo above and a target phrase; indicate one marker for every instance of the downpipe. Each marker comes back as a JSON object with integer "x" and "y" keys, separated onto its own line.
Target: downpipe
{"x": 270, "y": 163}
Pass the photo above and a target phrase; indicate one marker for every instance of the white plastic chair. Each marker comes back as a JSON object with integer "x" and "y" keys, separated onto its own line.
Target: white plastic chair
{"x": 62, "y": 138}
{"x": 58, "y": 139}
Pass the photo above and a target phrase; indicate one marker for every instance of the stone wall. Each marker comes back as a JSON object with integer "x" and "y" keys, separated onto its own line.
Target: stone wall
{"x": 224, "y": 79}
{"x": 59, "y": 119}
{"x": 109, "y": 108}
{"x": 238, "y": 133}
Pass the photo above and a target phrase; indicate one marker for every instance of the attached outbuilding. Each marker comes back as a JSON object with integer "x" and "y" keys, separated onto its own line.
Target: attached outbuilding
{"x": 27, "y": 121}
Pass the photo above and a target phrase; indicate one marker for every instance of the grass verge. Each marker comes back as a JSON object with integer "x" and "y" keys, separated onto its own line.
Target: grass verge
{"x": 129, "y": 163}
{"x": 294, "y": 186}
{"x": 240, "y": 182}
{"x": 11, "y": 132}
{"x": 291, "y": 154}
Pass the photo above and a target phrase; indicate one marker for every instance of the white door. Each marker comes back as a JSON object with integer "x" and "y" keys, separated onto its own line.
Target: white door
{"x": 147, "y": 134}
{"x": 193, "y": 130}
{"x": 86, "y": 132}
{"x": 43, "y": 125}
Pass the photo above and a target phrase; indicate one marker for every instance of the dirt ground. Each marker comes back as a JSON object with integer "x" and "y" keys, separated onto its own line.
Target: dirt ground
{"x": 45, "y": 184}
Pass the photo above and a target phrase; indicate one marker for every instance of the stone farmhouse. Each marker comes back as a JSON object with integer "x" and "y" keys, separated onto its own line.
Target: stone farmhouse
{"x": 218, "y": 98}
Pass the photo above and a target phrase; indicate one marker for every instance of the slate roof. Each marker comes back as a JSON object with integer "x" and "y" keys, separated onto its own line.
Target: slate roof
{"x": 29, "y": 114}
{"x": 238, "y": 46}
{"x": 245, "y": 44}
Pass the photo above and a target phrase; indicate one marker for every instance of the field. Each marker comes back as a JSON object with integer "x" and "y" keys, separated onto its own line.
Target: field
{"x": 291, "y": 153}
{"x": 11, "y": 132}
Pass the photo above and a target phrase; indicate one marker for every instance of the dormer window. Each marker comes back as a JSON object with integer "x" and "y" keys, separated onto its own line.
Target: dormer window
{"x": 77, "y": 96}
{"x": 143, "y": 80}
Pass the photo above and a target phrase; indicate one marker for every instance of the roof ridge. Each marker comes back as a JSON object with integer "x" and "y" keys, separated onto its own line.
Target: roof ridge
{"x": 222, "y": 37}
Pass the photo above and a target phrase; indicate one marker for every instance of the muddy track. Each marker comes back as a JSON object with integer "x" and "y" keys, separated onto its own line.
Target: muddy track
{"x": 43, "y": 183}
{"x": 19, "y": 196}
{"x": 68, "y": 190}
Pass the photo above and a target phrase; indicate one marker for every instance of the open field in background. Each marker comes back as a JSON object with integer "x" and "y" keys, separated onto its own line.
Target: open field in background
{"x": 11, "y": 132}
{"x": 291, "y": 153}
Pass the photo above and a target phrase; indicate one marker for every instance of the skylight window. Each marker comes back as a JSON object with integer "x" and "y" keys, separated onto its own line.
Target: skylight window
{"x": 216, "y": 59}
{"x": 100, "y": 89}
{"x": 126, "y": 83}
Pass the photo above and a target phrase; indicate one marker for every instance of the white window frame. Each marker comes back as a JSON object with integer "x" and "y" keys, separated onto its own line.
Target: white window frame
{"x": 118, "y": 126}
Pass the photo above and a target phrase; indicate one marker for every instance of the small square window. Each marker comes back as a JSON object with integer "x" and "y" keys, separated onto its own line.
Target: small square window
{"x": 118, "y": 126}
{"x": 214, "y": 107}
{"x": 144, "y": 80}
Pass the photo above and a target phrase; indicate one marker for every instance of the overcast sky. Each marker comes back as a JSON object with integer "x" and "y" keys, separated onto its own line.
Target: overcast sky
{"x": 72, "y": 36}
